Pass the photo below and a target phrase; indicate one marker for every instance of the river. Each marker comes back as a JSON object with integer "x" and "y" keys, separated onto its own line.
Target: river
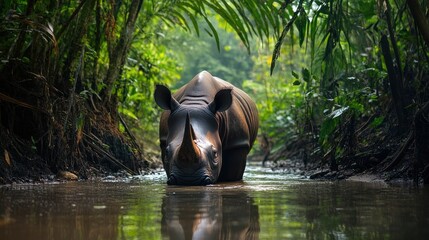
{"x": 265, "y": 205}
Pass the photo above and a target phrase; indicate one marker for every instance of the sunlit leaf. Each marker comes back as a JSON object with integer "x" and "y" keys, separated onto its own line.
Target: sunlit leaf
{"x": 128, "y": 113}
{"x": 338, "y": 112}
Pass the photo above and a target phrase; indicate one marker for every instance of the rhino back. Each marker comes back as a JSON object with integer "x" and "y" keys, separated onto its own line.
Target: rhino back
{"x": 238, "y": 125}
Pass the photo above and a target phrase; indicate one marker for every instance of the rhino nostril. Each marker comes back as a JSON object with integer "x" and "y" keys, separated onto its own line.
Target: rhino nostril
{"x": 206, "y": 181}
{"x": 172, "y": 180}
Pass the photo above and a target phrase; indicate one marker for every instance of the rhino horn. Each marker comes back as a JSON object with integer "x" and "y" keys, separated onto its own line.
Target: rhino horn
{"x": 189, "y": 151}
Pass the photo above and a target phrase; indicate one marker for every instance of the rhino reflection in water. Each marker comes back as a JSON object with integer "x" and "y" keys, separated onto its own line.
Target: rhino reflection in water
{"x": 206, "y": 132}
{"x": 209, "y": 215}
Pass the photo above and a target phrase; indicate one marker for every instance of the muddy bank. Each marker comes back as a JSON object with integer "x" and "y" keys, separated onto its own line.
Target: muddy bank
{"x": 95, "y": 149}
{"x": 320, "y": 172}
{"x": 373, "y": 164}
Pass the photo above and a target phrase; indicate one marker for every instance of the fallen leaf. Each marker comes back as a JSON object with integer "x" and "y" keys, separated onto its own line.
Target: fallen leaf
{"x": 7, "y": 157}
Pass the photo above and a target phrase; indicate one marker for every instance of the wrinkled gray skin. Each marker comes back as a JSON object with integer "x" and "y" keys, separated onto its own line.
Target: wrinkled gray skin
{"x": 206, "y": 132}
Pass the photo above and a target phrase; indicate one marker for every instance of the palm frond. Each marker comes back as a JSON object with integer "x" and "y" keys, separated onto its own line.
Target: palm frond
{"x": 246, "y": 17}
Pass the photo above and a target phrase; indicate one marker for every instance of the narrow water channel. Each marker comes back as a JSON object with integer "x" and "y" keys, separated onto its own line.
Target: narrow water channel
{"x": 266, "y": 205}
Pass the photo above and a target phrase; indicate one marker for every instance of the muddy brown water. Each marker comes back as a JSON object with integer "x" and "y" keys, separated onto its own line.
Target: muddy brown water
{"x": 266, "y": 205}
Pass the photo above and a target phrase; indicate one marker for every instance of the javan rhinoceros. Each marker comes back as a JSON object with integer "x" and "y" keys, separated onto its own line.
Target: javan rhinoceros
{"x": 206, "y": 132}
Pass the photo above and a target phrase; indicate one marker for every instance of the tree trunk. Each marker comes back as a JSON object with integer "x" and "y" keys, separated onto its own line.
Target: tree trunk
{"x": 395, "y": 83}
{"x": 119, "y": 53}
{"x": 419, "y": 18}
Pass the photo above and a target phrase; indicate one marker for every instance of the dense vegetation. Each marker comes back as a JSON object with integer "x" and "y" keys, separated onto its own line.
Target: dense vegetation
{"x": 338, "y": 83}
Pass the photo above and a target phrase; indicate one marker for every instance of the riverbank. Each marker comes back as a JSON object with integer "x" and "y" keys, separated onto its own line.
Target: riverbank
{"x": 292, "y": 163}
{"x": 369, "y": 164}
{"x": 390, "y": 160}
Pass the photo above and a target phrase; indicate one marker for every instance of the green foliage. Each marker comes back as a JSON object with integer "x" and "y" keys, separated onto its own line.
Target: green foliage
{"x": 329, "y": 67}
{"x": 337, "y": 78}
{"x": 160, "y": 52}
{"x": 195, "y": 54}
{"x": 278, "y": 97}
{"x": 247, "y": 18}
{"x": 148, "y": 64}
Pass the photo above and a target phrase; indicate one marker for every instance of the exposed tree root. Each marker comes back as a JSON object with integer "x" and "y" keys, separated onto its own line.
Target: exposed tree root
{"x": 399, "y": 154}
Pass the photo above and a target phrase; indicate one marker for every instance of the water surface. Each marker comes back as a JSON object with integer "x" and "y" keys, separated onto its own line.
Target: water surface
{"x": 266, "y": 205}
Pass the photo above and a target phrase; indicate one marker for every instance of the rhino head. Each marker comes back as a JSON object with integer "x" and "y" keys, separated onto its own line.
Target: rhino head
{"x": 192, "y": 154}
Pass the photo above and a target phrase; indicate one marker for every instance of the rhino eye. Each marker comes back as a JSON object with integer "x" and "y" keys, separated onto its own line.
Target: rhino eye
{"x": 215, "y": 154}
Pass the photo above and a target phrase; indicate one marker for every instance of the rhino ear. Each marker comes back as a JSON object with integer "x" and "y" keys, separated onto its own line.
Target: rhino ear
{"x": 164, "y": 99}
{"x": 222, "y": 101}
